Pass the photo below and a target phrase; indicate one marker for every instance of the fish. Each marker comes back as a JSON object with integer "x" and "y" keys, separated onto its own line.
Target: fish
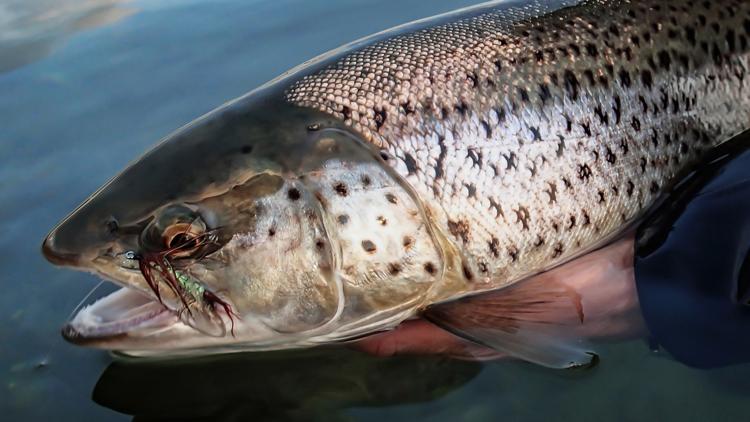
{"x": 409, "y": 173}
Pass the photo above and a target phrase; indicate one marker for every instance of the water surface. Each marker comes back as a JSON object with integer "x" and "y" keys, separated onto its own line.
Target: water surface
{"x": 88, "y": 86}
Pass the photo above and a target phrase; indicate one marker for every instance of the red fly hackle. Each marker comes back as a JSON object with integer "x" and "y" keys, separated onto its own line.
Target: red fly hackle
{"x": 160, "y": 262}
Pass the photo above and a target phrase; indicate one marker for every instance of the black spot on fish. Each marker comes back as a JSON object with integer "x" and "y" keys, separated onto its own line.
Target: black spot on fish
{"x": 430, "y": 268}
{"x": 586, "y": 128}
{"x": 407, "y": 108}
{"x": 467, "y": 272}
{"x": 571, "y": 84}
{"x": 391, "y": 198}
{"x": 690, "y": 35}
{"x": 646, "y": 78}
{"x": 411, "y": 164}
{"x": 476, "y": 157}
{"x": 408, "y": 242}
{"x": 368, "y": 246}
{"x": 380, "y": 117}
{"x": 366, "y": 180}
{"x": 346, "y": 111}
{"x": 462, "y": 108}
{"x": 487, "y": 128}
{"x": 513, "y": 253}
{"x": 341, "y": 189}
{"x": 523, "y": 94}
{"x": 394, "y": 268}
{"x": 716, "y": 55}
{"x": 439, "y": 170}
{"x": 654, "y": 187}
{"x": 511, "y": 161}
{"x": 342, "y": 219}
{"x": 558, "y": 250}
{"x": 617, "y": 108}
{"x": 552, "y": 192}
{"x": 460, "y": 230}
{"x": 483, "y": 267}
{"x": 644, "y": 104}
{"x": 591, "y": 50}
{"x": 544, "y": 93}
{"x": 560, "y": 146}
{"x": 535, "y": 133}
{"x": 497, "y": 207}
{"x": 624, "y": 78}
{"x": 603, "y": 117}
{"x": 293, "y": 194}
{"x": 610, "y": 156}
{"x": 523, "y": 216}
{"x": 494, "y": 245}
{"x": 631, "y": 188}
{"x": 636, "y": 123}
{"x": 584, "y": 172}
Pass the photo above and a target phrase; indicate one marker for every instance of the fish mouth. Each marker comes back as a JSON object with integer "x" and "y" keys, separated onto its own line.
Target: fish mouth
{"x": 125, "y": 312}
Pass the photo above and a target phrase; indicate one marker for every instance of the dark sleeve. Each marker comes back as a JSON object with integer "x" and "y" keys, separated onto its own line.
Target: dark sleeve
{"x": 692, "y": 267}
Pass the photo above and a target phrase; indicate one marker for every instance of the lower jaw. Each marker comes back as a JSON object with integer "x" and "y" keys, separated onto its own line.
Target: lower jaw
{"x": 122, "y": 313}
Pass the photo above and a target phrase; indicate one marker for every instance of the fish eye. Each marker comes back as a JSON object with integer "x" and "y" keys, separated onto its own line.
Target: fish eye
{"x": 177, "y": 229}
{"x": 183, "y": 236}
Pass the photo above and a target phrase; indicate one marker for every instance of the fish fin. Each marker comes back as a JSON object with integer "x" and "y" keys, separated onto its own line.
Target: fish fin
{"x": 535, "y": 320}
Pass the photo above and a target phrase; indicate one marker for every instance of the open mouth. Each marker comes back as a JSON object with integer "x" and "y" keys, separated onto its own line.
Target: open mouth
{"x": 123, "y": 312}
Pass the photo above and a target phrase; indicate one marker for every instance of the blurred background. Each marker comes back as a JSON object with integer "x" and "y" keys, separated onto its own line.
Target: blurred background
{"x": 87, "y": 86}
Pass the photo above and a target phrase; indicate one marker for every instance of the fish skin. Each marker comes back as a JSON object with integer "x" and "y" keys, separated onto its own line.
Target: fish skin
{"x": 533, "y": 134}
{"x": 438, "y": 201}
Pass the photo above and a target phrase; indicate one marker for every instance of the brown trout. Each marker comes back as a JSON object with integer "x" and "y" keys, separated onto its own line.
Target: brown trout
{"x": 446, "y": 158}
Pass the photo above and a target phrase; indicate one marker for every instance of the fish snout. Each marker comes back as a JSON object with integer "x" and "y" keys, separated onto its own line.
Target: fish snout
{"x": 54, "y": 254}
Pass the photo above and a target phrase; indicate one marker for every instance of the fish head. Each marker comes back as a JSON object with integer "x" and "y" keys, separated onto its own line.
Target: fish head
{"x": 227, "y": 235}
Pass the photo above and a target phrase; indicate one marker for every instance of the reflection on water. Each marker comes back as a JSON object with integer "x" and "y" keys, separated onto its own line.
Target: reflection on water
{"x": 310, "y": 385}
{"x": 30, "y": 29}
{"x": 74, "y": 118}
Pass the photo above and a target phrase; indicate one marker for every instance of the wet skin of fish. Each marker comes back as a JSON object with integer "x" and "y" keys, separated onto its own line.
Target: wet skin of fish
{"x": 445, "y": 158}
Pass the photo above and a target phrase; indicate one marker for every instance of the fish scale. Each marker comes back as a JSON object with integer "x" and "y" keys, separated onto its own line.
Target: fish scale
{"x": 535, "y": 133}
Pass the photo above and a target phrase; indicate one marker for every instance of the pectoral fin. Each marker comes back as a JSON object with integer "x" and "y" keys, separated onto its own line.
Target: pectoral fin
{"x": 550, "y": 318}
{"x": 527, "y": 321}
